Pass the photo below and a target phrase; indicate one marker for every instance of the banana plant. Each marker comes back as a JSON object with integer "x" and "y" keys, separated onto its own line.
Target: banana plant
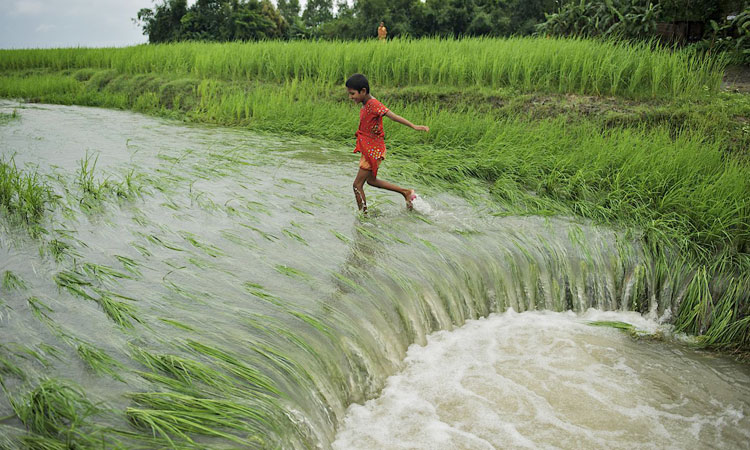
{"x": 606, "y": 18}
{"x": 732, "y": 36}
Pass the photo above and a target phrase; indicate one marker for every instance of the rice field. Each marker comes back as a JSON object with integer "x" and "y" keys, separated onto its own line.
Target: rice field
{"x": 137, "y": 239}
{"x": 554, "y": 65}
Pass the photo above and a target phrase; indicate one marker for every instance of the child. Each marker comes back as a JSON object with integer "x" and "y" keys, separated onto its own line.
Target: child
{"x": 371, "y": 141}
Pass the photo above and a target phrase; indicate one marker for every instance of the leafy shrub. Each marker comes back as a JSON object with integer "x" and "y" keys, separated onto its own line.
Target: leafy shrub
{"x": 730, "y": 36}
{"x": 606, "y": 18}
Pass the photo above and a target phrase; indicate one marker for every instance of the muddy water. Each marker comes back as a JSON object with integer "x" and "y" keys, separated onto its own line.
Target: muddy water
{"x": 244, "y": 254}
{"x": 551, "y": 380}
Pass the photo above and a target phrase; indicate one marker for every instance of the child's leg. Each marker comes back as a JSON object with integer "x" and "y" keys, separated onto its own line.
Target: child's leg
{"x": 359, "y": 188}
{"x": 382, "y": 184}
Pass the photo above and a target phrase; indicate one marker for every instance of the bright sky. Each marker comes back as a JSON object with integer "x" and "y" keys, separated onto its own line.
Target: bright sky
{"x": 71, "y": 23}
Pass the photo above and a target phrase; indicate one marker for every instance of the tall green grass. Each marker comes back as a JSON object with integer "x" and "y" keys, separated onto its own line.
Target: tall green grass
{"x": 552, "y": 65}
{"x": 24, "y": 196}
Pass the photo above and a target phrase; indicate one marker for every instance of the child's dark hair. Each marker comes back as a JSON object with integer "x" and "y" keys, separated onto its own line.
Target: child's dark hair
{"x": 358, "y": 82}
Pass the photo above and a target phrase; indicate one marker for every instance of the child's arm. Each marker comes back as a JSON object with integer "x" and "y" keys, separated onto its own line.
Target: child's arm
{"x": 401, "y": 120}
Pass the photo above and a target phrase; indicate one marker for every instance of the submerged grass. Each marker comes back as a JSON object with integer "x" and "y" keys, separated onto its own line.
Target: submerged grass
{"x": 13, "y": 282}
{"x": 179, "y": 415}
{"x": 90, "y": 288}
{"x": 99, "y": 361}
{"x": 185, "y": 370}
{"x": 57, "y": 413}
{"x": 5, "y": 117}
{"x": 24, "y": 196}
{"x": 626, "y": 327}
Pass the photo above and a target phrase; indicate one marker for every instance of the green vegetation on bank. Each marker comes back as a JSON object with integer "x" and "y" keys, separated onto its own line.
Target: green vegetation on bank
{"x": 624, "y": 135}
{"x": 526, "y": 64}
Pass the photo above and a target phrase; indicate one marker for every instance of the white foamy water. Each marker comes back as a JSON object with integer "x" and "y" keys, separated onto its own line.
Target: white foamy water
{"x": 550, "y": 380}
{"x": 421, "y": 206}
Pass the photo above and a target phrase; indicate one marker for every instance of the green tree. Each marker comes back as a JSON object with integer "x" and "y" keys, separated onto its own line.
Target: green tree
{"x": 163, "y": 23}
{"x": 689, "y": 10}
{"x": 525, "y": 15}
{"x": 213, "y": 20}
{"x": 481, "y": 24}
{"x": 344, "y": 26}
{"x": 290, "y": 11}
{"x": 208, "y": 20}
{"x": 448, "y": 18}
{"x": 401, "y": 17}
{"x": 254, "y": 20}
{"x": 317, "y": 12}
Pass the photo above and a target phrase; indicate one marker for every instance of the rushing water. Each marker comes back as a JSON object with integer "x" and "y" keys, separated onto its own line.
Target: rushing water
{"x": 243, "y": 254}
{"x": 550, "y": 380}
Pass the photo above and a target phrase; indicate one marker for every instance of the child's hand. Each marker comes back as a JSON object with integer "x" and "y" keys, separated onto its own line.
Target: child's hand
{"x": 421, "y": 128}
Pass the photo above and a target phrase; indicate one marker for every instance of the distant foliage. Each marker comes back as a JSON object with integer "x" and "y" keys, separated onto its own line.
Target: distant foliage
{"x": 731, "y": 36}
{"x": 317, "y": 12}
{"x": 225, "y": 20}
{"x": 251, "y": 20}
{"x": 213, "y": 20}
{"x": 697, "y": 10}
{"x": 608, "y": 18}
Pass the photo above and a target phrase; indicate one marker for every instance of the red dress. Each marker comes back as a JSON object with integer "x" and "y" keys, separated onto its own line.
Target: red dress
{"x": 370, "y": 134}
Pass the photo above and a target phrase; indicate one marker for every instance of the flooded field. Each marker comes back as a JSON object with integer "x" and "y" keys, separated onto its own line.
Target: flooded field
{"x": 214, "y": 288}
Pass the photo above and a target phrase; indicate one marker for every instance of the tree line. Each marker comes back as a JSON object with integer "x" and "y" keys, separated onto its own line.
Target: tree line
{"x": 229, "y": 20}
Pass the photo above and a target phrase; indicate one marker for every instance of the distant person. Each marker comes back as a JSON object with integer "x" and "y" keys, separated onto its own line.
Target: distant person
{"x": 382, "y": 32}
{"x": 371, "y": 141}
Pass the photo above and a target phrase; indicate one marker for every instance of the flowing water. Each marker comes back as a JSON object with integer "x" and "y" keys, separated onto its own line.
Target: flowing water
{"x": 223, "y": 282}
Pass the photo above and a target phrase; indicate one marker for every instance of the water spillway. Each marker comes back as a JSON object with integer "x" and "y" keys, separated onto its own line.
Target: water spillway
{"x": 212, "y": 288}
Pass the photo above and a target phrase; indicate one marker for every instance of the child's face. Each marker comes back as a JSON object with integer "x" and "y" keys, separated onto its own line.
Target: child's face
{"x": 357, "y": 96}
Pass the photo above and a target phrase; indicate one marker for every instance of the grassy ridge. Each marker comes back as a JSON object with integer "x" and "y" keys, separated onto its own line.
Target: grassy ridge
{"x": 557, "y": 65}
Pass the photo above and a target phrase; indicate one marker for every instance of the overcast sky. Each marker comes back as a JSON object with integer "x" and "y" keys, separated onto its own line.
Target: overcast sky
{"x": 71, "y": 23}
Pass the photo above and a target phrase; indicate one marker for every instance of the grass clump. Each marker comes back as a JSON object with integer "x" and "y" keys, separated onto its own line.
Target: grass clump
{"x": 5, "y": 117}
{"x": 89, "y": 288}
{"x": 94, "y": 191}
{"x": 178, "y": 415}
{"x": 185, "y": 370}
{"x": 13, "y": 282}
{"x": 98, "y": 361}
{"x": 631, "y": 330}
{"x": 234, "y": 365}
{"x": 8, "y": 367}
{"x": 57, "y": 413}
{"x": 24, "y": 197}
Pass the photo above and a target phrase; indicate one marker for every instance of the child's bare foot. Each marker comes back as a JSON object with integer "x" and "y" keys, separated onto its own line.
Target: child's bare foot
{"x": 410, "y": 196}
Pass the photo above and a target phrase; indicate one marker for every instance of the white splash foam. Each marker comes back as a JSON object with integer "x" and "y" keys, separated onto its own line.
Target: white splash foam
{"x": 421, "y": 206}
{"x": 549, "y": 380}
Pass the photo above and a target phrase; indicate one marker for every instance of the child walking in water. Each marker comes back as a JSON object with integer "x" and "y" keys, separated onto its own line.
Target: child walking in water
{"x": 371, "y": 141}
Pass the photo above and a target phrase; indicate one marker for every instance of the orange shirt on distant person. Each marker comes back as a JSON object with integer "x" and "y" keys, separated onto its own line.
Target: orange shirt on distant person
{"x": 382, "y": 32}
